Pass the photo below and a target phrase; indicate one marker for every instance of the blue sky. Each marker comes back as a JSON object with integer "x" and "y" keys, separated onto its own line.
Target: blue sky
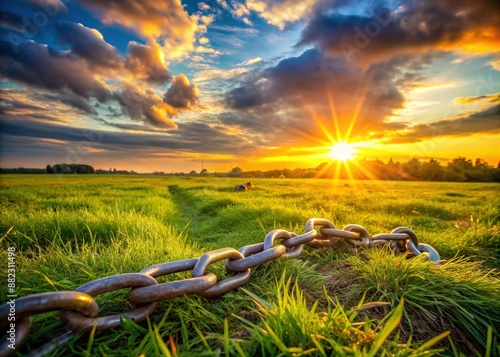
{"x": 163, "y": 84}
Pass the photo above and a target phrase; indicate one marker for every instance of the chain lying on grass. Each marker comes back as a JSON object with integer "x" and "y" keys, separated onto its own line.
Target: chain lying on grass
{"x": 79, "y": 310}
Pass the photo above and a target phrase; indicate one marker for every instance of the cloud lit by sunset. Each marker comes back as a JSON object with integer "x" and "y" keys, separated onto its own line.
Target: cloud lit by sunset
{"x": 260, "y": 84}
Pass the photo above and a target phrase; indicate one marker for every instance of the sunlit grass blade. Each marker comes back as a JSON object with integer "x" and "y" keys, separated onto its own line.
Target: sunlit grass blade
{"x": 389, "y": 326}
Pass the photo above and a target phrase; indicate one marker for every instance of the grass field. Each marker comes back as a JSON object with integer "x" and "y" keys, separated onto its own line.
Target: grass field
{"x": 69, "y": 230}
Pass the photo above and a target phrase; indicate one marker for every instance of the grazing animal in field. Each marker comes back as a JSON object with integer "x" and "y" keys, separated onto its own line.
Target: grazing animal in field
{"x": 243, "y": 187}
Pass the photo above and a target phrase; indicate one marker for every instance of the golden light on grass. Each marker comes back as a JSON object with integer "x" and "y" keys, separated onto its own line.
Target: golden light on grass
{"x": 343, "y": 151}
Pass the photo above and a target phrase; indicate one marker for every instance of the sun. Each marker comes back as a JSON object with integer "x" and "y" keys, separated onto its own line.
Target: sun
{"x": 342, "y": 151}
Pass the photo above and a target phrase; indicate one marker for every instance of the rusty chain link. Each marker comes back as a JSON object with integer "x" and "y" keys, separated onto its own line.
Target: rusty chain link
{"x": 79, "y": 310}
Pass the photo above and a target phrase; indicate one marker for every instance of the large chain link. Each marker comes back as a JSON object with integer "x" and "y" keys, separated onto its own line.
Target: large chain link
{"x": 79, "y": 309}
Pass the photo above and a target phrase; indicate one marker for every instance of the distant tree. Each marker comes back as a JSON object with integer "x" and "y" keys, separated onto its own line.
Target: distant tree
{"x": 324, "y": 170}
{"x": 82, "y": 169}
{"x": 193, "y": 173}
{"x": 460, "y": 164}
{"x": 453, "y": 176}
{"x": 236, "y": 172}
{"x": 495, "y": 175}
{"x": 321, "y": 166}
{"x": 204, "y": 172}
{"x": 481, "y": 172}
{"x": 273, "y": 173}
{"x": 309, "y": 173}
{"x": 70, "y": 169}
{"x": 393, "y": 170}
{"x": 22, "y": 170}
{"x": 412, "y": 168}
{"x": 459, "y": 169}
{"x": 298, "y": 173}
{"x": 431, "y": 171}
{"x": 287, "y": 173}
{"x": 379, "y": 170}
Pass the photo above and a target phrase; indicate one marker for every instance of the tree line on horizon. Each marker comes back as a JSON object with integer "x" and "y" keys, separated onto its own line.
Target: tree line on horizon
{"x": 459, "y": 169}
{"x": 54, "y": 169}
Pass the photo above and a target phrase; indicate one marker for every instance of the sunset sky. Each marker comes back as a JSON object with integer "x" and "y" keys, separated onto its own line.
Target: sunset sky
{"x": 163, "y": 85}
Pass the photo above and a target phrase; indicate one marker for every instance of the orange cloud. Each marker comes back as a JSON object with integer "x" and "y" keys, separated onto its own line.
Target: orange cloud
{"x": 164, "y": 20}
{"x": 483, "y": 99}
{"x": 209, "y": 50}
{"x": 181, "y": 94}
{"x": 282, "y": 12}
{"x": 250, "y": 61}
{"x": 495, "y": 64}
{"x": 147, "y": 62}
{"x": 420, "y": 27}
{"x": 203, "y": 41}
{"x": 148, "y": 106}
{"x": 277, "y": 13}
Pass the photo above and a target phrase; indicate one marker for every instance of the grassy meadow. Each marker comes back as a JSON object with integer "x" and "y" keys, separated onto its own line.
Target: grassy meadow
{"x": 71, "y": 229}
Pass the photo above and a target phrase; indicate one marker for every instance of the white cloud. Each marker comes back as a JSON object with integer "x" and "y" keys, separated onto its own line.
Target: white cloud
{"x": 203, "y": 6}
{"x": 167, "y": 22}
{"x": 197, "y": 59}
{"x": 223, "y": 3}
{"x": 208, "y": 50}
{"x": 495, "y": 64}
{"x": 207, "y": 75}
{"x": 250, "y": 61}
{"x": 234, "y": 29}
{"x": 282, "y": 12}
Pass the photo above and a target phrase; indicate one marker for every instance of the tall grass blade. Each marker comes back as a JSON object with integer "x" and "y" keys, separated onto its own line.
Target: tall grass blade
{"x": 389, "y": 326}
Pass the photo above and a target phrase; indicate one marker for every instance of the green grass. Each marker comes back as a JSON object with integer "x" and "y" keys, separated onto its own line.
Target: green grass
{"x": 71, "y": 229}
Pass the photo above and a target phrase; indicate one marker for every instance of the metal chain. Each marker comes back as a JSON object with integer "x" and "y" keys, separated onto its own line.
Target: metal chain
{"x": 79, "y": 310}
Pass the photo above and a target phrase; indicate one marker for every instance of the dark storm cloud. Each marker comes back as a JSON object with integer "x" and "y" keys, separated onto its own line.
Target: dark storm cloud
{"x": 8, "y": 103}
{"x": 56, "y": 60}
{"x": 190, "y": 137}
{"x": 11, "y": 20}
{"x": 414, "y": 27}
{"x": 122, "y": 126}
{"x": 43, "y": 105}
{"x": 89, "y": 44}
{"x": 71, "y": 75}
{"x": 182, "y": 93}
{"x": 249, "y": 95}
{"x": 306, "y": 77}
{"x": 50, "y": 7}
{"x": 37, "y": 65}
{"x": 485, "y": 122}
{"x": 146, "y": 105}
{"x": 290, "y": 77}
{"x": 146, "y": 62}
{"x": 69, "y": 99}
{"x": 302, "y": 87}
{"x": 250, "y": 121}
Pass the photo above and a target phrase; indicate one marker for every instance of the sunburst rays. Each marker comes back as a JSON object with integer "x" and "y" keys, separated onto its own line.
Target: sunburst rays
{"x": 341, "y": 150}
